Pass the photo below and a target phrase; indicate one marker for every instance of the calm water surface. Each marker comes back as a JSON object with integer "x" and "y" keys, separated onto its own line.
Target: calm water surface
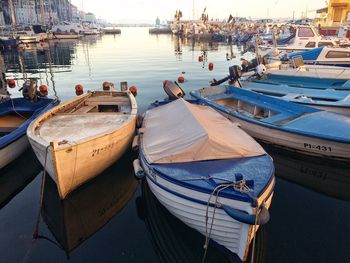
{"x": 115, "y": 218}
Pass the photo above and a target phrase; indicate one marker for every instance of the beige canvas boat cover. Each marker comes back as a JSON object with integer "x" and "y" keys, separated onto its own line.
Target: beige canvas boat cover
{"x": 182, "y": 132}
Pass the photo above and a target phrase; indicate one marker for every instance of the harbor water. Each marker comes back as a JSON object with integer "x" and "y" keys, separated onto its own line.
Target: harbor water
{"x": 116, "y": 218}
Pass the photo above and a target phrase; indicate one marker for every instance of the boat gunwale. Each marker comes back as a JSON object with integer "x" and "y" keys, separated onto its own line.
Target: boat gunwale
{"x": 36, "y": 124}
{"x": 241, "y": 116}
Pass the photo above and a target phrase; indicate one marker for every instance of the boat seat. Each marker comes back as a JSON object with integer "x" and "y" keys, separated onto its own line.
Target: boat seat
{"x": 84, "y": 109}
{"x": 290, "y": 96}
{"x": 282, "y": 119}
{"x": 277, "y": 118}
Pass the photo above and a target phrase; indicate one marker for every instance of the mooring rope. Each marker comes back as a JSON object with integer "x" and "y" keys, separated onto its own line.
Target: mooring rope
{"x": 217, "y": 189}
{"x": 36, "y": 230}
{"x": 238, "y": 186}
{"x": 254, "y": 232}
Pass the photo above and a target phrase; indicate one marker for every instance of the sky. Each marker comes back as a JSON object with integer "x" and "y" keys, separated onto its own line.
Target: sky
{"x": 129, "y": 11}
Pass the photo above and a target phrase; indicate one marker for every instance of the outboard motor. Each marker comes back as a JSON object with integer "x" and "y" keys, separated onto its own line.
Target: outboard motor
{"x": 235, "y": 73}
{"x": 247, "y": 66}
{"x": 29, "y": 90}
{"x": 173, "y": 90}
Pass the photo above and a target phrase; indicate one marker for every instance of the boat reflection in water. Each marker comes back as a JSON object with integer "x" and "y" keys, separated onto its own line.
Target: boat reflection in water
{"x": 17, "y": 175}
{"x": 330, "y": 178}
{"x": 87, "y": 209}
{"x": 174, "y": 241}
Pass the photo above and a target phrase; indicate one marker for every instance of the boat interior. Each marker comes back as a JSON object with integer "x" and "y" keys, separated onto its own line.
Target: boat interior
{"x": 10, "y": 122}
{"x": 245, "y": 108}
{"x": 109, "y": 103}
{"x": 260, "y": 113}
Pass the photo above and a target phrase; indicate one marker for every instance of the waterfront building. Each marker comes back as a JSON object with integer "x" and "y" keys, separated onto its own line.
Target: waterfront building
{"x": 330, "y": 18}
{"x": 29, "y": 11}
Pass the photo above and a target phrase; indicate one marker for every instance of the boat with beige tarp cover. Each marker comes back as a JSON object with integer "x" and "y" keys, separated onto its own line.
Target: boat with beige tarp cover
{"x": 82, "y": 137}
{"x": 207, "y": 172}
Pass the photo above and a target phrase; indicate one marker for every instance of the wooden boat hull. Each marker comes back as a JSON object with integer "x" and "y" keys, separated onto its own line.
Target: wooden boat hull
{"x": 272, "y": 130}
{"x": 74, "y": 166}
{"x": 228, "y": 232}
{"x": 71, "y": 164}
{"x": 17, "y": 175}
{"x": 189, "y": 187}
{"x": 304, "y": 144}
{"x": 179, "y": 242}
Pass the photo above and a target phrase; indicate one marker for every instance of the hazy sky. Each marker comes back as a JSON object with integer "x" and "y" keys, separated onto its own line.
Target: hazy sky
{"x": 148, "y": 10}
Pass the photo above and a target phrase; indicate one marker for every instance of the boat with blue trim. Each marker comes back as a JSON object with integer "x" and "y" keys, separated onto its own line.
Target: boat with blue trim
{"x": 327, "y": 99}
{"x": 305, "y": 76}
{"x": 282, "y": 123}
{"x": 15, "y": 116}
{"x": 207, "y": 172}
{"x": 331, "y": 56}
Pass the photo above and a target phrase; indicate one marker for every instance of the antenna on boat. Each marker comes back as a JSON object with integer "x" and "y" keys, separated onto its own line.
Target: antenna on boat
{"x": 257, "y": 50}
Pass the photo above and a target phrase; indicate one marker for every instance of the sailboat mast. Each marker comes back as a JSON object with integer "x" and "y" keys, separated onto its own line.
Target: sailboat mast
{"x": 13, "y": 15}
{"x": 42, "y": 16}
{"x": 193, "y": 14}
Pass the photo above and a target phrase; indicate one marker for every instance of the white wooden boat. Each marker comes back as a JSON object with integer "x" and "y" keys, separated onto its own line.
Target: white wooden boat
{"x": 194, "y": 159}
{"x": 325, "y": 99}
{"x": 176, "y": 241}
{"x": 82, "y": 137}
{"x": 282, "y": 123}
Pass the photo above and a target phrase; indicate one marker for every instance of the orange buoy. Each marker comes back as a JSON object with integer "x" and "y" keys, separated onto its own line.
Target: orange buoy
{"x": 106, "y": 85}
{"x": 181, "y": 79}
{"x": 79, "y": 89}
{"x": 211, "y": 66}
{"x": 43, "y": 88}
{"x": 200, "y": 59}
{"x": 245, "y": 62}
{"x": 11, "y": 83}
{"x": 133, "y": 90}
